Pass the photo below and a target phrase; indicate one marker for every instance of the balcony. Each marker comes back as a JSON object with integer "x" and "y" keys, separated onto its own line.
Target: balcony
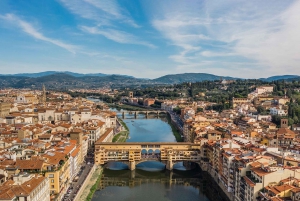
{"x": 253, "y": 179}
{"x": 243, "y": 181}
{"x": 242, "y": 194}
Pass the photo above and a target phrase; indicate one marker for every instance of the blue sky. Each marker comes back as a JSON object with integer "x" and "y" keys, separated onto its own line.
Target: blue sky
{"x": 151, "y": 38}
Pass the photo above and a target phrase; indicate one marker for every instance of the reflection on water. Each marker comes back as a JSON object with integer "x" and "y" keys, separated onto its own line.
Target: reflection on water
{"x": 152, "y": 166}
{"x": 162, "y": 185}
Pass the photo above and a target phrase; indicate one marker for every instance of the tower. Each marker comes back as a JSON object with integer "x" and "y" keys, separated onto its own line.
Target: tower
{"x": 130, "y": 94}
{"x": 284, "y": 93}
{"x": 284, "y": 123}
{"x": 43, "y": 95}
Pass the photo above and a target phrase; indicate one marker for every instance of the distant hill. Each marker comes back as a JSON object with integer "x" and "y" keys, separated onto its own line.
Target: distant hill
{"x": 280, "y": 77}
{"x": 69, "y": 80}
{"x": 189, "y": 77}
{"x": 46, "y": 73}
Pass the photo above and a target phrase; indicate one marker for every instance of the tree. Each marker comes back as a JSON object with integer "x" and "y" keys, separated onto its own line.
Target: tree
{"x": 296, "y": 120}
{"x": 260, "y": 109}
{"x": 289, "y": 93}
{"x": 199, "y": 109}
{"x": 140, "y": 102}
{"x": 276, "y": 119}
{"x": 177, "y": 110}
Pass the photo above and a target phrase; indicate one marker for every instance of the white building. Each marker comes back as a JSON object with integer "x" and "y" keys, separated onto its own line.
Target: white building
{"x": 26, "y": 188}
{"x": 278, "y": 111}
{"x": 264, "y": 89}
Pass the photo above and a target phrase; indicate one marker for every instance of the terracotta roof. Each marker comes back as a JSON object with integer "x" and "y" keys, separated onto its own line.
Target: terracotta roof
{"x": 29, "y": 164}
{"x": 259, "y": 171}
{"x": 54, "y": 157}
{"x": 248, "y": 181}
{"x": 105, "y": 134}
{"x": 9, "y": 191}
{"x": 75, "y": 152}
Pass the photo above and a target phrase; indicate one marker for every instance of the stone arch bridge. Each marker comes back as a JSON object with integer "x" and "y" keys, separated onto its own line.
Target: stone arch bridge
{"x": 146, "y": 112}
{"x": 133, "y": 153}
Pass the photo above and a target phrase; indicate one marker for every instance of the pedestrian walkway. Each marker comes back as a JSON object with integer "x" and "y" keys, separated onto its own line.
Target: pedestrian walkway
{"x": 90, "y": 183}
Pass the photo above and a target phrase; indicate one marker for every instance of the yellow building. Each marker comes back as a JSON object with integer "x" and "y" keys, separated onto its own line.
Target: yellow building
{"x": 265, "y": 98}
{"x": 4, "y": 109}
{"x": 238, "y": 101}
{"x": 57, "y": 169}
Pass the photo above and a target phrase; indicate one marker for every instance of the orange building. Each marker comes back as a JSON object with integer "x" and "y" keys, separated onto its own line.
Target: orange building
{"x": 149, "y": 101}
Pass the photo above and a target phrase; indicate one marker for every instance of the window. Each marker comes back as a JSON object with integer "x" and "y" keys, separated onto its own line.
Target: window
{"x": 51, "y": 175}
{"x": 52, "y": 186}
{"x": 52, "y": 180}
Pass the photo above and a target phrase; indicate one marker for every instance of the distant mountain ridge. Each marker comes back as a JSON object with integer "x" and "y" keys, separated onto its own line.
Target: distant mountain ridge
{"x": 280, "y": 77}
{"x": 66, "y": 79}
{"x": 63, "y": 81}
{"x": 190, "y": 77}
{"x": 46, "y": 73}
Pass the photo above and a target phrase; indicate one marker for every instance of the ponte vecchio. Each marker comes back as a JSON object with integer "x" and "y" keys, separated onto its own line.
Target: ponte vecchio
{"x": 133, "y": 153}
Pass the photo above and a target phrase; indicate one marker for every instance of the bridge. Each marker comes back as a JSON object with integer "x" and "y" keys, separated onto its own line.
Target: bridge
{"x": 133, "y": 153}
{"x": 146, "y": 112}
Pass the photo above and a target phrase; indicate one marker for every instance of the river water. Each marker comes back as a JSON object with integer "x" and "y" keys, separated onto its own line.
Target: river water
{"x": 150, "y": 181}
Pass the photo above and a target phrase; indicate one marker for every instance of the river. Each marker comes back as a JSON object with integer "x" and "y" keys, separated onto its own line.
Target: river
{"x": 150, "y": 181}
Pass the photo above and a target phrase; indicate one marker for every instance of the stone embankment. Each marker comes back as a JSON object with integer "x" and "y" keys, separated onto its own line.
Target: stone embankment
{"x": 214, "y": 182}
{"x": 88, "y": 183}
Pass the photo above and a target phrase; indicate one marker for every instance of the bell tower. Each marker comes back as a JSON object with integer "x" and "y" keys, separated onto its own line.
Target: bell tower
{"x": 43, "y": 95}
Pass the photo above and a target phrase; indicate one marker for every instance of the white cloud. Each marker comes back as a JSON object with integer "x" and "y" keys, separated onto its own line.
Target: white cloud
{"x": 30, "y": 30}
{"x": 104, "y": 12}
{"x": 109, "y": 18}
{"x": 274, "y": 43}
{"x": 216, "y": 54}
{"x": 256, "y": 33}
{"x": 112, "y": 8}
{"x": 117, "y": 36}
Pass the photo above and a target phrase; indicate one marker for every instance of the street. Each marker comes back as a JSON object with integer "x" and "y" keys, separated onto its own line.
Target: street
{"x": 80, "y": 178}
{"x": 177, "y": 120}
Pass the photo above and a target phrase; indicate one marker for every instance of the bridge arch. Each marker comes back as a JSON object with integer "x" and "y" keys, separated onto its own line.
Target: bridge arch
{"x": 144, "y": 151}
{"x": 141, "y": 112}
{"x": 151, "y": 160}
{"x": 152, "y": 112}
{"x": 150, "y": 151}
{"x": 117, "y": 165}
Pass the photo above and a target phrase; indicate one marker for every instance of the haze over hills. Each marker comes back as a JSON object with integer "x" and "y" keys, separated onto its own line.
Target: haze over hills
{"x": 280, "y": 77}
{"x": 189, "y": 77}
{"x": 41, "y": 74}
{"x": 63, "y": 80}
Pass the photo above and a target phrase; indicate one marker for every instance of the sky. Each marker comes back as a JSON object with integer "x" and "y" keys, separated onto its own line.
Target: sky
{"x": 151, "y": 38}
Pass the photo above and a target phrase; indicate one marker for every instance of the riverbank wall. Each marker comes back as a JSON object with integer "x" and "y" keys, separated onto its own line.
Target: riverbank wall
{"x": 212, "y": 179}
{"x": 84, "y": 185}
{"x": 175, "y": 128}
{"x": 175, "y": 124}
